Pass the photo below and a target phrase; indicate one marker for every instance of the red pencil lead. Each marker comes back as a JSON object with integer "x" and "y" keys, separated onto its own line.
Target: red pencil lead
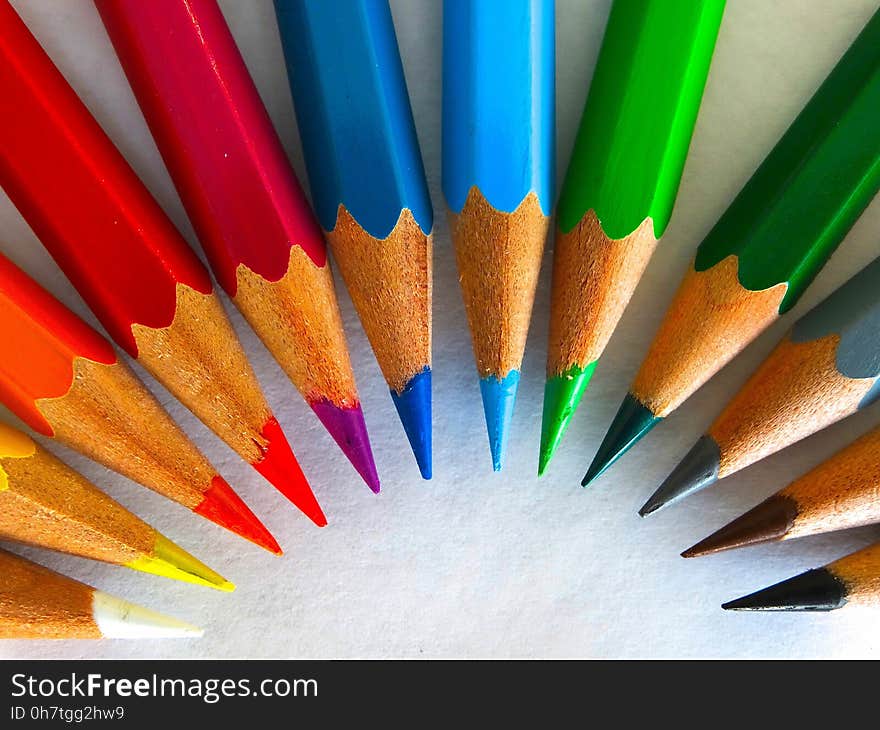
{"x": 227, "y": 509}
{"x": 280, "y": 467}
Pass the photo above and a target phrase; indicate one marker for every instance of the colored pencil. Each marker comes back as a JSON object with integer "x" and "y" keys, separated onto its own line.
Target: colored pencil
{"x": 825, "y": 369}
{"x": 499, "y": 146}
{"x": 243, "y": 198}
{"x": 621, "y": 183}
{"x": 126, "y": 259}
{"x": 767, "y": 247}
{"x": 38, "y": 603}
{"x": 368, "y": 185}
{"x": 45, "y": 503}
{"x": 852, "y": 581}
{"x": 65, "y": 381}
{"x": 838, "y": 494}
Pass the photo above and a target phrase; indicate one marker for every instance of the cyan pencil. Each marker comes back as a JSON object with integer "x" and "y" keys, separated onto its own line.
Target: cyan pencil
{"x": 498, "y": 179}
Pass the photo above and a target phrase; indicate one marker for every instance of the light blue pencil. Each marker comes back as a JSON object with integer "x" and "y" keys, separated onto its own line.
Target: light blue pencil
{"x": 498, "y": 177}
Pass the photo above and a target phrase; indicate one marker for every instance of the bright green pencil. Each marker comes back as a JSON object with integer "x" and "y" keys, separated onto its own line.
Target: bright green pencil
{"x": 768, "y": 246}
{"x": 621, "y": 183}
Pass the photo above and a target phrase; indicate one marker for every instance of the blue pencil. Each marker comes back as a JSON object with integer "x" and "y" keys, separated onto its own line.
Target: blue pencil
{"x": 498, "y": 176}
{"x": 368, "y": 185}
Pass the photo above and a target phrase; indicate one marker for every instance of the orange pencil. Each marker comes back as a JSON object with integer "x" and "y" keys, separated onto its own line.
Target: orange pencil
{"x": 64, "y": 380}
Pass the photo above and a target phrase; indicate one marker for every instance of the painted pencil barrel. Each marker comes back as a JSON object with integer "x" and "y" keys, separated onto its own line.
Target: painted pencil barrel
{"x": 498, "y": 179}
{"x": 640, "y": 113}
{"x": 49, "y": 180}
{"x": 368, "y": 185}
{"x": 621, "y": 183}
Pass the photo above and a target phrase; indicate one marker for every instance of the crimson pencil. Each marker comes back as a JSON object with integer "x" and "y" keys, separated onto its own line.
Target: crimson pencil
{"x": 250, "y": 214}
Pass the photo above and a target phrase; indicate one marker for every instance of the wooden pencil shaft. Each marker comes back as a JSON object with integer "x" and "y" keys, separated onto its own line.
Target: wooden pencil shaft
{"x": 36, "y": 603}
{"x": 584, "y": 316}
{"x": 499, "y": 259}
{"x": 841, "y": 492}
{"x": 686, "y": 351}
{"x": 860, "y": 573}
{"x": 236, "y": 183}
{"x": 47, "y": 504}
{"x": 390, "y": 283}
{"x": 64, "y": 380}
{"x": 365, "y": 170}
{"x": 795, "y": 393}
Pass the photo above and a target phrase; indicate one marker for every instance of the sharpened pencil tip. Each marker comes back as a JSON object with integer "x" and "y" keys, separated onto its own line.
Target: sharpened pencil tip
{"x": 771, "y": 520}
{"x": 499, "y": 399}
{"x": 280, "y": 467}
{"x": 413, "y": 405}
{"x": 224, "y": 507}
{"x": 562, "y": 395}
{"x": 632, "y": 422}
{"x": 696, "y": 471}
{"x": 815, "y": 590}
{"x": 119, "y": 619}
{"x": 172, "y": 561}
{"x": 349, "y": 431}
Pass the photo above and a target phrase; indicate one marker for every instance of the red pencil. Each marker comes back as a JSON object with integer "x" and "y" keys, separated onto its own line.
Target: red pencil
{"x": 126, "y": 258}
{"x": 234, "y": 178}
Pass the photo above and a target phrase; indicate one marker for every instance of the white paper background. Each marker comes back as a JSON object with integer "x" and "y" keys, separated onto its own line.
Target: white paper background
{"x": 474, "y": 564}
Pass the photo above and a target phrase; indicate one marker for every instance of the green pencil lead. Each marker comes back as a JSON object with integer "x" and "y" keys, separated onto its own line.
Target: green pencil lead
{"x": 633, "y": 420}
{"x": 562, "y": 395}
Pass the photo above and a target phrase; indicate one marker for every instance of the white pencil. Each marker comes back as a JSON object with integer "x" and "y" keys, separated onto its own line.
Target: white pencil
{"x": 37, "y": 603}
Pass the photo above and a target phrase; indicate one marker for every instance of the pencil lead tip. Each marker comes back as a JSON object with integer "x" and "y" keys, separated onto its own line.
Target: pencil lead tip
{"x": 562, "y": 395}
{"x": 632, "y": 422}
{"x": 280, "y": 467}
{"x": 499, "y": 398}
{"x": 815, "y": 590}
{"x": 222, "y": 505}
{"x": 349, "y": 431}
{"x": 172, "y": 561}
{"x": 696, "y": 471}
{"x": 119, "y": 619}
{"x": 413, "y": 405}
{"x": 769, "y": 521}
